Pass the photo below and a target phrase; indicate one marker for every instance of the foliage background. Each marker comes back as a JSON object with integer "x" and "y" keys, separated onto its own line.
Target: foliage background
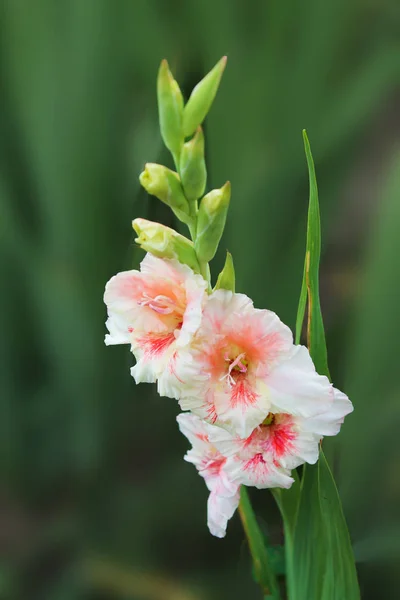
{"x": 95, "y": 500}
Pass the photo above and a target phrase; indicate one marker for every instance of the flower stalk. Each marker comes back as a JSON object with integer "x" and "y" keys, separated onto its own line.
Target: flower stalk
{"x": 255, "y": 408}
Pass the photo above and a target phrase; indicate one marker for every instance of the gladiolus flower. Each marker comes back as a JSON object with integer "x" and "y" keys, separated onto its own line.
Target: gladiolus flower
{"x": 242, "y": 364}
{"x": 281, "y": 443}
{"x": 212, "y": 466}
{"x": 157, "y": 310}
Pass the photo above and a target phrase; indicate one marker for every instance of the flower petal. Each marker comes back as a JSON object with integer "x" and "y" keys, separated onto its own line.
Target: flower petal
{"x": 241, "y": 409}
{"x": 329, "y": 422}
{"x": 296, "y": 388}
{"x": 219, "y": 510}
{"x": 258, "y": 472}
{"x": 152, "y": 353}
{"x": 195, "y": 287}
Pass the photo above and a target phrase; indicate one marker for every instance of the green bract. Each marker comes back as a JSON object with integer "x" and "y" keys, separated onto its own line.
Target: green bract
{"x": 226, "y": 279}
{"x": 211, "y": 222}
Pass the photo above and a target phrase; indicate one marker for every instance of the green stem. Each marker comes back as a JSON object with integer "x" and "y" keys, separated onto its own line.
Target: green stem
{"x": 176, "y": 157}
{"x": 264, "y": 576}
{"x": 192, "y": 229}
{"x": 194, "y": 209}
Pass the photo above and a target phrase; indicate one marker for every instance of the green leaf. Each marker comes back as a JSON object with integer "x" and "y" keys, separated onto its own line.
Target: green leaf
{"x": 320, "y": 561}
{"x": 263, "y": 573}
{"x": 288, "y": 502}
{"x": 310, "y": 286}
{"x": 323, "y": 564}
{"x": 276, "y": 557}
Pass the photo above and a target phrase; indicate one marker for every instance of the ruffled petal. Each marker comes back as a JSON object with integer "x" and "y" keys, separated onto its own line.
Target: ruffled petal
{"x": 119, "y": 333}
{"x": 295, "y": 387}
{"x": 196, "y": 430}
{"x": 195, "y": 287}
{"x": 219, "y": 510}
{"x": 183, "y": 380}
{"x": 330, "y": 422}
{"x": 152, "y": 353}
{"x": 241, "y": 409}
{"x": 165, "y": 269}
{"x": 258, "y": 472}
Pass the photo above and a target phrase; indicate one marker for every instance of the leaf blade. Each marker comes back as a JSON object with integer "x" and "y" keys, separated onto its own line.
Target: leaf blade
{"x": 320, "y": 562}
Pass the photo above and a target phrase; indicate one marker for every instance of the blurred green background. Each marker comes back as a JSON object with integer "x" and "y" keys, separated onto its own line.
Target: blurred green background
{"x": 95, "y": 500}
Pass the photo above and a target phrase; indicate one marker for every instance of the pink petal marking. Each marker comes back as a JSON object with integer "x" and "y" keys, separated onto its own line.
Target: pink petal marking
{"x": 211, "y": 413}
{"x": 214, "y": 465}
{"x": 155, "y": 344}
{"x": 202, "y": 436}
{"x": 282, "y": 436}
{"x": 255, "y": 462}
{"x": 242, "y": 394}
{"x": 172, "y": 362}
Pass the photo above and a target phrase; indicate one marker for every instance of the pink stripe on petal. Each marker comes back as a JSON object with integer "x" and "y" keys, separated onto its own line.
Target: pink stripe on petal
{"x": 282, "y": 436}
{"x": 242, "y": 394}
{"x": 254, "y": 463}
{"x": 155, "y": 344}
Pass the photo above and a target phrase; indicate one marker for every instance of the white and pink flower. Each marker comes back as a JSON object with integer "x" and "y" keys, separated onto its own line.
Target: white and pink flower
{"x": 260, "y": 408}
{"x": 242, "y": 364}
{"x": 157, "y": 310}
{"x": 213, "y": 467}
{"x": 281, "y": 443}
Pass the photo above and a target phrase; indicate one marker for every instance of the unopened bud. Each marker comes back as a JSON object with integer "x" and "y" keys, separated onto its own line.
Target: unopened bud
{"x": 193, "y": 167}
{"x": 170, "y": 109}
{"x": 165, "y": 242}
{"x": 165, "y": 184}
{"x": 201, "y": 98}
{"x": 226, "y": 279}
{"x": 211, "y": 222}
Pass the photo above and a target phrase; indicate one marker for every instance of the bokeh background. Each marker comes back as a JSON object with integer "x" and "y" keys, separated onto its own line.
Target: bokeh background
{"x": 96, "y": 502}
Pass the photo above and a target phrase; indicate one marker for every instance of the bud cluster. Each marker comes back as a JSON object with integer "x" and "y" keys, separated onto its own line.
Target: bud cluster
{"x": 183, "y": 190}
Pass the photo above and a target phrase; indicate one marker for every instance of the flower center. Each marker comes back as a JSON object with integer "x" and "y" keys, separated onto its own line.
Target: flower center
{"x": 160, "y": 304}
{"x": 236, "y": 367}
{"x": 269, "y": 419}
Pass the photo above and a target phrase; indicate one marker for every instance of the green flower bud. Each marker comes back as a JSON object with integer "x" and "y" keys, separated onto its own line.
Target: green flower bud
{"x": 165, "y": 184}
{"x": 211, "y": 222}
{"x": 165, "y": 242}
{"x": 193, "y": 167}
{"x": 201, "y": 98}
{"x": 170, "y": 109}
{"x": 226, "y": 279}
